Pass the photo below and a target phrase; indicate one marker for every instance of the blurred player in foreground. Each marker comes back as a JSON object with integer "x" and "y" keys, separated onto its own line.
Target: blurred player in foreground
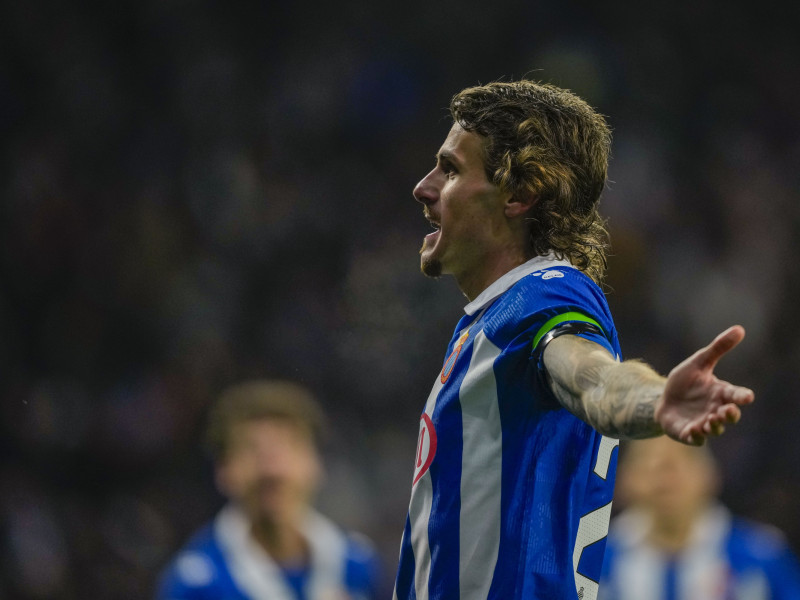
{"x": 514, "y": 474}
{"x": 675, "y": 541}
{"x": 268, "y": 542}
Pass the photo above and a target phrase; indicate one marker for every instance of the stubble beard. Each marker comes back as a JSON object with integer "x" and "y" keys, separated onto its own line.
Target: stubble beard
{"x": 430, "y": 267}
{"x": 265, "y": 513}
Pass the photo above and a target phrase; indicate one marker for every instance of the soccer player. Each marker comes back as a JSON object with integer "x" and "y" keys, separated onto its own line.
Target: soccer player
{"x": 514, "y": 470}
{"x": 268, "y": 542}
{"x": 675, "y": 541}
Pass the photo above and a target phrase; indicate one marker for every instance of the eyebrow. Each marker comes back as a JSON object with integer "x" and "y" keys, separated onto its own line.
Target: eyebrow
{"x": 449, "y": 157}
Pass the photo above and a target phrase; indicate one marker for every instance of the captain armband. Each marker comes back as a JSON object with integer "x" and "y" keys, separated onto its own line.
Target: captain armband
{"x": 566, "y": 324}
{"x": 570, "y": 328}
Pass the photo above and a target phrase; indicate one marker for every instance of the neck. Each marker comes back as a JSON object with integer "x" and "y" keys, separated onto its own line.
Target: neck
{"x": 473, "y": 282}
{"x": 671, "y": 534}
{"x": 282, "y": 541}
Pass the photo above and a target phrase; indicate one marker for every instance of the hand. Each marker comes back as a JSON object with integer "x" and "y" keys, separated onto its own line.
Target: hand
{"x": 695, "y": 404}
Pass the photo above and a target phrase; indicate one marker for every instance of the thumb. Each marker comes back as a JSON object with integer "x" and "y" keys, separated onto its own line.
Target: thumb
{"x": 726, "y": 341}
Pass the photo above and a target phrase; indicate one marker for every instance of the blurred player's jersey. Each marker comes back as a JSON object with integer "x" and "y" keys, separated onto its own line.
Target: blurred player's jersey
{"x": 223, "y": 562}
{"x": 511, "y": 494}
{"x": 725, "y": 559}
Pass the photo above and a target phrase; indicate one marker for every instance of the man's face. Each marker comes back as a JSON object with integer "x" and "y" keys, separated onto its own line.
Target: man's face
{"x": 668, "y": 478}
{"x": 464, "y": 207}
{"x": 271, "y": 469}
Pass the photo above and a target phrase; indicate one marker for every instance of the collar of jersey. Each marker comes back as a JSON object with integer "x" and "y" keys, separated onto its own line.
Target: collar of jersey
{"x": 504, "y": 283}
{"x": 632, "y": 526}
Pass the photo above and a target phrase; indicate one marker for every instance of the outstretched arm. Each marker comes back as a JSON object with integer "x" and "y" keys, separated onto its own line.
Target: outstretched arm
{"x": 630, "y": 400}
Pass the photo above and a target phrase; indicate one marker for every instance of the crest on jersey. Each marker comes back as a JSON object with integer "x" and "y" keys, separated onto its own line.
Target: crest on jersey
{"x": 426, "y": 447}
{"x": 451, "y": 360}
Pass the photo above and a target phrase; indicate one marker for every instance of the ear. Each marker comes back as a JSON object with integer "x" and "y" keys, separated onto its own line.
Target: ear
{"x": 520, "y": 204}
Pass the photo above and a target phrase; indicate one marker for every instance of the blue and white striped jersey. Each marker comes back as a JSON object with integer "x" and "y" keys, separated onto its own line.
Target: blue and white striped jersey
{"x": 223, "y": 562}
{"x": 511, "y": 494}
{"x": 725, "y": 558}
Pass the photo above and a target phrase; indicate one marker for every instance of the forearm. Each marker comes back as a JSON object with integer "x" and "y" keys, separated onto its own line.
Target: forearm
{"x": 618, "y": 399}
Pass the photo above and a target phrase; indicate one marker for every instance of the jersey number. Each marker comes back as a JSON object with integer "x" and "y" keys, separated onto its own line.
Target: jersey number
{"x": 593, "y": 526}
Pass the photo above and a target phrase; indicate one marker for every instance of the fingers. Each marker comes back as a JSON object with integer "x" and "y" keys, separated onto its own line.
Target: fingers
{"x": 730, "y": 413}
{"x": 738, "y": 395}
{"x": 725, "y": 342}
{"x": 692, "y": 434}
{"x": 694, "y": 439}
{"x": 713, "y": 425}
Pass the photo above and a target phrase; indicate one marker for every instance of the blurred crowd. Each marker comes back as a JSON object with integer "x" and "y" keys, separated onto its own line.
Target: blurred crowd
{"x": 194, "y": 193}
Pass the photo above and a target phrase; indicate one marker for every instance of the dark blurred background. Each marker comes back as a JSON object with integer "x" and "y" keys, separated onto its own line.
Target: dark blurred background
{"x": 196, "y": 192}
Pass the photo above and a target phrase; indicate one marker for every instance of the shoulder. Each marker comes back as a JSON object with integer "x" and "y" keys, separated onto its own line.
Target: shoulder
{"x": 755, "y": 546}
{"x": 364, "y": 571}
{"x": 555, "y": 286}
{"x": 546, "y": 294}
{"x": 360, "y": 549}
{"x": 198, "y": 565}
{"x": 757, "y": 540}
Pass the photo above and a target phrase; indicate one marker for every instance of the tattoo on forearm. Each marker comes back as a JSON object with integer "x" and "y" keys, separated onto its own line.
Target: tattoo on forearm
{"x": 617, "y": 399}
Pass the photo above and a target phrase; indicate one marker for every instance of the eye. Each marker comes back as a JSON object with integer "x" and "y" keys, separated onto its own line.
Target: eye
{"x": 448, "y": 168}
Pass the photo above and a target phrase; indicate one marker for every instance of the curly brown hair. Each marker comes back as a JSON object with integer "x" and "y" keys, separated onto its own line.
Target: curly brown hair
{"x": 545, "y": 141}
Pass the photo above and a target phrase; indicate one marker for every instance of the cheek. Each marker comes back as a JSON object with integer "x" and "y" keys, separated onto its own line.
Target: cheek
{"x": 307, "y": 472}
{"x": 236, "y": 476}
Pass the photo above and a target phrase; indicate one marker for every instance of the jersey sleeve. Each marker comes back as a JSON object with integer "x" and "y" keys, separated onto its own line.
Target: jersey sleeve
{"x": 563, "y": 296}
{"x": 569, "y": 304}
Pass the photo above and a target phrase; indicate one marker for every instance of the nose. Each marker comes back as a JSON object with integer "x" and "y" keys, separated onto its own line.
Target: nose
{"x": 272, "y": 463}
{"x": 427, "y": 190}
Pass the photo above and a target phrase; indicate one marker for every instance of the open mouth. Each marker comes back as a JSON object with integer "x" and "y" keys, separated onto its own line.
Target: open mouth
{"x": 436, "y": 226}
{"x": 433, "y": 222}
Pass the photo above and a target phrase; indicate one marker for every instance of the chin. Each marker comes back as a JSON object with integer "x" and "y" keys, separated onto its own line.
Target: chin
{"x": 430, "y": 267}
{"x": 266, "y": 508}
{"x": 268, "y": 515}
